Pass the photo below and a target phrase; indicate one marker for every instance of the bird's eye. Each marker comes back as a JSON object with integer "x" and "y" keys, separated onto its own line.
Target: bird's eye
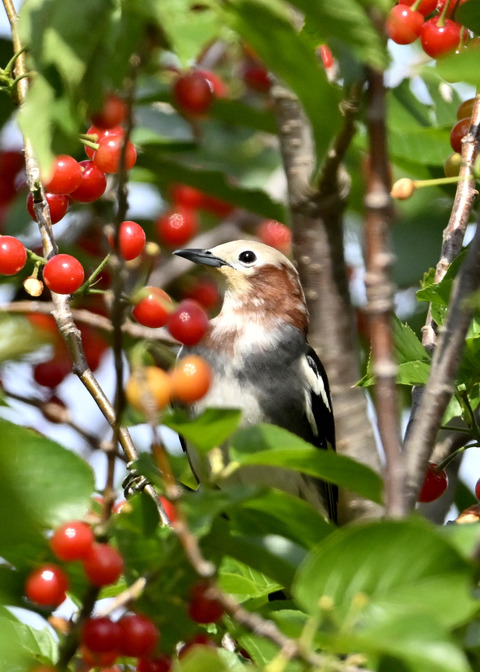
{"x": 247, "y": 257}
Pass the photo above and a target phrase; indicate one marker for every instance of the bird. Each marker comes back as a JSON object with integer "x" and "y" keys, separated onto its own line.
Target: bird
{"x": 262, "y": 362}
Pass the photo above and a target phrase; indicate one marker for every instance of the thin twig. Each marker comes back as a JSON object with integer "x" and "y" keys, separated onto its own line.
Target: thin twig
{"x": 436, "y": 395}
{"x": 56, "y": 413}
{"x": 453, "y": 235}
{"x": 380, "y": 290}
{"x": 454, "y": 232}
{"x": 92, "y": 319}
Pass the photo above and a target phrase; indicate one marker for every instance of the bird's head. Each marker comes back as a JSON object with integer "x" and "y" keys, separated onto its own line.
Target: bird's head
{"x": 257, "y": 278}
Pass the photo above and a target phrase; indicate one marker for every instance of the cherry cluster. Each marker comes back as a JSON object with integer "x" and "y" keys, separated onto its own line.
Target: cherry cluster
{"x": 85, "y": 181}
{"x": 433, "y": 21}
{"x": 102, "y": 564}
{"x": 103, "y": 640}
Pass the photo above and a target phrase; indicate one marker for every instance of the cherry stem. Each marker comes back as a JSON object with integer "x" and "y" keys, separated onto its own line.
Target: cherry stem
{"x": 473, "y": 429}
{"x": 38, "y": 261}
{"x": 443, "y": 14}
{"x": 436, "y": 182}
{"x": 89, "y": 141}
{"x": 86, "y": 287}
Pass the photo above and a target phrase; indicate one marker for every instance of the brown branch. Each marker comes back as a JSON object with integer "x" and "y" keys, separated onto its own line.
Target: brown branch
{"x": 436, "y": 395}
{"x": 92, "y": 319}
{"x": 380, "y": 290}
{"x": 61, "y": 304}
{"x": 454, "y": 232}
{"x": 317, "y": 225}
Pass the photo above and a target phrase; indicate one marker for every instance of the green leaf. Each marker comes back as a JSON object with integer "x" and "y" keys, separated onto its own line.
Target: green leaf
{"x": 188, "y": 31}
{"x": 21, "y": 646}
{"x": 17, "y": 337}
{"x": 277, "y": 512}
{"x": 207, "y": 659}
{"x": 213, "y": 182}
{"x": 43, "y": 485}
{"x": 460, "y": 67}
{"x": 271, "y": 555}
{"x": 468, "y": 14}
{"x": 404, "y": 567}
{"x": 426, "y": 145}
{"x": 286, "y": 53}
{"x": 419, "y": 643}
{"x": 242, "y": 581}
{"x": 207, "y": 430}
{"x": 346, "y": 21}
{"x": 273, "y": 446}
{"x": 412, "y": 359}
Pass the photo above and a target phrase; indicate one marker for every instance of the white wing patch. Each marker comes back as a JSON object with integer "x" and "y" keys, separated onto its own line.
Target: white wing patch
{"x": 316, "y": 386}
{"x": 315, "y": 382}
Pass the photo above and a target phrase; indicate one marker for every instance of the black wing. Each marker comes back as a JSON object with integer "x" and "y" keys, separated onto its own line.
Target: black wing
{"x": 323, "y": 425}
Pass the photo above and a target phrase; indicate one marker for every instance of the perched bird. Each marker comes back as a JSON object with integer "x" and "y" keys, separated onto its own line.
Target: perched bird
{"x": 262, "y": 363}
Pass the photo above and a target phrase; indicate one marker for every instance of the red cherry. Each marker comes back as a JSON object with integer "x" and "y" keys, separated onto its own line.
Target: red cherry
{"x": 177, "y": 226}
{"x": 66, "y": 175}
{"x": 434, "y": 485}
{"x": 426, "y": 7}
{"x": 205, "y": 292}
{"x": 169, "y": 509}
{"x": 187, "y": 197}
{"x": 101, "y": 660}
{"x": 188, "y": 323}
{"x": 204, "y": 609}
{"x": 153, "y": 308}
{"x": 217, "y": 206}
{"x": 94, "y": 345}
{"x": 477, "y": 489}
{"x": 109, "y": 152}
{"x": 10, "y": 164}
{"x": 138, "y": 635}
{"x": 160, "y": 664}
{"x": 99, "y": 134}
{"x": 72, "y": 541}
{"x": 100, "y": 635}
{"x": 275, "y": 234}
{"x": 326, "y": 56}
{"x": 63, "y": 274}
{"x": 112, "y": 114}
{"x": 47, "y": 585}
{"x": 256, "y": 76}
{"x": 193, "y": 93}
{"x": 218, "y": 85}
{"x": 403, "y": 25}
{"x": 103, "y": 565}
{"x": 57, "y": 203}
{"x": 93, "y": 183}
{"x": 13, "y": 255}
{"x": 131, "y": 240}
{"x": 53, "y": 372}
{"x": 438, "y": 40}
{"x": 458, "y": 132}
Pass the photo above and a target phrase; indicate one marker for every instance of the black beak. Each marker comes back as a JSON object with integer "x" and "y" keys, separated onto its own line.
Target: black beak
{"x": 201, "y": 257}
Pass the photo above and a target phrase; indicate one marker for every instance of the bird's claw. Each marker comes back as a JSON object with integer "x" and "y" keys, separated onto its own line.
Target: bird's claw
{"x": 133, "y": 483}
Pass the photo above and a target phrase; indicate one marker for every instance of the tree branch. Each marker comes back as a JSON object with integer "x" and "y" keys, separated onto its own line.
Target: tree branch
{"x": 436, "y": 395}
{"x": 380, "y": 290}
{"x": 317, "y": 225}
